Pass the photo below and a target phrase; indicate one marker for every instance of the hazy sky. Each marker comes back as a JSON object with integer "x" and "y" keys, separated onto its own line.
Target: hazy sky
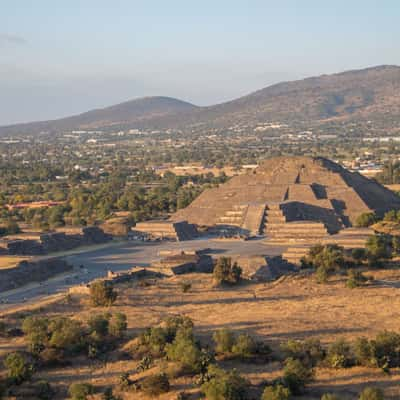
{"x": 59, "y": 57}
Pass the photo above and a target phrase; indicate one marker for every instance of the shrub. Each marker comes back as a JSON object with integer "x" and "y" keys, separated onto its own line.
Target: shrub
{"x": 365, "y": 220}
{"x": 66, "y": 334}
{"x": 387, "y": 349}
{"x": 339, "y": 354}
{"x": 364, "y": 352}
{"x": 296, "y": 375}
{"x": 185, "y": 351}
{"x": 396, "y": 244}
{"x": 322, "y": 274}
{"x": 329, "y": 396}
{"x": 3, "y": 328}
{"x": 80, "y": 391}
{"x": 118, "y": 325}
{"x": 51, "y": 357}
{"x": 175, "y": 323}
{"x": 224, "y": 340}
{"x": 359, "y": 255}
{"x": 277, "y": 392}
{"x": 36, "y": 330}
{"x": 154, "y": 385}
{"x": 102, "y": 294}
{"x": 151, "y": 342}
{"x": 371, "y": 394}
{"x": 378, "y": 248}
{"x": 44, "y": 391}
{"x": 19, "y": 368}
{"x": 224, "y": 385}
{"x": 185, "y": 286}
{"x": 226, "y": 273}
{"x": 355, "y": 279}
{"x": 244, "y": 346}
{"x": 98, "y": 325}
{"x": 309, "y": 352}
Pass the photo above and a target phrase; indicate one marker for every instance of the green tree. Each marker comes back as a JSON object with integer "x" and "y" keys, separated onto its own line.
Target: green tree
{"x": 118, "y": 325}
{"x": 366, "y": 219}
{"x": 80, "y": 391}
{"x": 19, "y": 369}
{"x": 225, "y": 272}
{"x": 224, "y": 340}
{"x": 277, "y": 392}
{"x": 296, "y": 375}
{"x": 371, "y": 394}
{"x": 102, "y": 294}
{"x": 224, "y": 385}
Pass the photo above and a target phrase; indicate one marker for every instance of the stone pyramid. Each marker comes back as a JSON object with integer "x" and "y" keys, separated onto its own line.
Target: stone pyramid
{"x": 308, "y": 193}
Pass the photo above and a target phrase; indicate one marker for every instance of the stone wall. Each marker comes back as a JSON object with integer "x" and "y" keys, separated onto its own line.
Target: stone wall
{"x": 26, "y": 272}
{"x": 57, "y": 241}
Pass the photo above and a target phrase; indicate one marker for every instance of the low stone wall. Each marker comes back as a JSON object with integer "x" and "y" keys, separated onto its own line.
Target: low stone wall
{"x": 57, "y": 241}
{"x": 26, "y": 272}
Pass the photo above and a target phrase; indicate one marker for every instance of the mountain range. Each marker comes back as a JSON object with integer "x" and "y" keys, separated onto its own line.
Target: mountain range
{"x": 368, "y": 94}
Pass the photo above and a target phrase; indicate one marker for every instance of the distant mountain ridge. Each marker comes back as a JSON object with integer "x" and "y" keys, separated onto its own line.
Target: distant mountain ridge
{"x": 367, "y": 93}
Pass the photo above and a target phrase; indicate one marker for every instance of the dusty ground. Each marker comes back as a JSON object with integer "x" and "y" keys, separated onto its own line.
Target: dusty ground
{"x": 11, "y": 261}
{"x": 295, "y": 307}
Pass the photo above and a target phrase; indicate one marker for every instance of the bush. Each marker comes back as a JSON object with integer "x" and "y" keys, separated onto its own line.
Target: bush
{"x": 185, "y": 286}
{"x": 19, "y": 368}
{"x": 371, "y": 394}
{"x": 224, "y": 340}
{"x": 355, "y": 279}
{"x": 44, "y": 391}
{"x": 3, "y": 328}
{"x": 325, "y": 259}
{"x": 102, "y": 294}
{"x": 365, "y": 220}
{"x": 309, "y": 352}
{"x": 364, "y": 352}
{"x": 154, "y": 385}
{"x": 224, "y": 385}
{"x": 80, "y": 391}
{"x": 339, "y": 354}
{"x": 66, "y": 334}
{"x": 244, "y": 346}
{"x": 387, "y": 349}
{"x": 36, "y": 330}
{"x": 98, "y": 325}
{"x": 118, "y": 325}
{"x": 226, "y": 273}
{"x": 185, "y": 351}
{"x": 359, "y": 255}
{"x": 296, "y": 375}
{"x": 330, "y": 396}
{"x": 378, "y": 248}
{"x": 277, "y": 392}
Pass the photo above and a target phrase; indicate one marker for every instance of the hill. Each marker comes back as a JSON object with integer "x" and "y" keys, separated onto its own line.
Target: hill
{"x": 131, "y": 113}
{"x": 367, "y": 94}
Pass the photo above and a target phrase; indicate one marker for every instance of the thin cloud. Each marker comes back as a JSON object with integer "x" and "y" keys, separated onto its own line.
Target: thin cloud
{"x": 6, "y": 38}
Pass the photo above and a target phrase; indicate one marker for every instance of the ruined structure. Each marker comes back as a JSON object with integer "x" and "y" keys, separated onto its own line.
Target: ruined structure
{"x": 32, "y": 271}
{"x": 54, "y": 241}
{"x": 179, "y": 230}
{"x": 290, "y": 199}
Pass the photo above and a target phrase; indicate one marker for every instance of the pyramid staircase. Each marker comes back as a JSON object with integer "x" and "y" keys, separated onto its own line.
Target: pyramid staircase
{"x": 254, "y": 219}
{"x": 234, "y": 216}
{"x": 279, "y": 231}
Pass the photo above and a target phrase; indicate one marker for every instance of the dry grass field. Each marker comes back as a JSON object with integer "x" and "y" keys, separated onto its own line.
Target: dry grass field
{"x": 11, "y": 261}
{"x": 292, "y": 307}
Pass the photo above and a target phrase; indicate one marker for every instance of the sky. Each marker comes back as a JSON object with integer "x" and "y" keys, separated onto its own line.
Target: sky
{"x": 63, "y": 57}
